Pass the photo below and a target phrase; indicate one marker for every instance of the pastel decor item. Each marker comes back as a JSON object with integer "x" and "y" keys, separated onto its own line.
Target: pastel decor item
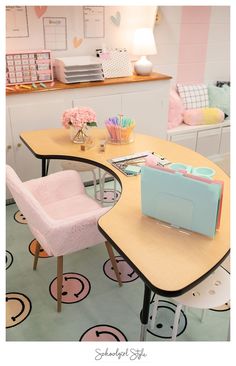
{"x": 220, "y": 98}
{"x": 176, "y": 110}
{"x": 120, "y": 129}
{"x": 77, "y": 42}
{"x": 78, "y": 120}
{"x": 181, "y": 167}
{"x": 204, "y": 172}
{"x": 203, "y": 116}
{"x": 143, "y": 45}
{"x": 116, "y": 19}
{"x": 40, "y": 10}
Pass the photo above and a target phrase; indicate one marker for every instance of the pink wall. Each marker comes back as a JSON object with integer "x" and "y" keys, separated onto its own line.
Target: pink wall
{"x": 193, "y": 43}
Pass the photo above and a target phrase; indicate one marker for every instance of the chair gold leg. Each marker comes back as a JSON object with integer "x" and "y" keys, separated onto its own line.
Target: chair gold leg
{"x": 36, "y": 255}
{"x": 59, "y": 281}
{"x": 113, "y": 261}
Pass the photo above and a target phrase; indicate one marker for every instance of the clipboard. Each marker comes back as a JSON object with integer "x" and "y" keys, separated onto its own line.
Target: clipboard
{"x": 182, "y": 200}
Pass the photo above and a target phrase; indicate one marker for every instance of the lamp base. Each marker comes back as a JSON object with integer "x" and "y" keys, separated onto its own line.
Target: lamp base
{"x": 143, "y": 66}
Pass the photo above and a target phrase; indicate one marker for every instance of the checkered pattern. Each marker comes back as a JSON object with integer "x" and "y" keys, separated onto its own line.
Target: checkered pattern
{"x": 193, "y": 96}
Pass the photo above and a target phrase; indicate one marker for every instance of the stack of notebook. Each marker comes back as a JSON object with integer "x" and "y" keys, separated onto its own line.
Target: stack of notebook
{"x": 182, "y": 200}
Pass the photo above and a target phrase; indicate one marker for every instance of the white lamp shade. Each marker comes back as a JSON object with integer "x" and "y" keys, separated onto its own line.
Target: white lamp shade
{"x": 144, "y": 42}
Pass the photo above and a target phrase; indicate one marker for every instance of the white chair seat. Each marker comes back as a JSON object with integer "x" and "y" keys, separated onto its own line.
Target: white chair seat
{"x": 212, "y": 292}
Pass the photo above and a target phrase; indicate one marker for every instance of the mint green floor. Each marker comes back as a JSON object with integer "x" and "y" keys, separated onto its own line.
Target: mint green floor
{"x": 106, "y": 303}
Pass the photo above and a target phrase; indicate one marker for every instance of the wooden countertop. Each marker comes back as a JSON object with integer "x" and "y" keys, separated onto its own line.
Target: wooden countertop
{"x": 169, "y": 261}
{"x": 113, "y": 81}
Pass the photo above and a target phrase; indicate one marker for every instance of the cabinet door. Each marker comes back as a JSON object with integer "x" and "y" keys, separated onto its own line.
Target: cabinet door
{"x": 149, "y": 109}
{"x": 104, "y": 106}
{"x": 188, "y": 140}
{"x": 33, "y": 117}
{"x": 208, "y": 142}
{"x": 225, "y": 140}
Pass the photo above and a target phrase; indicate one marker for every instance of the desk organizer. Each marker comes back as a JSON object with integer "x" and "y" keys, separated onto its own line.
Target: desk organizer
{"x": 120, "y": 129}
{"x": 28, "y": 67}
{"x": 182, "y": 200}
{"x": 78, "y": 69}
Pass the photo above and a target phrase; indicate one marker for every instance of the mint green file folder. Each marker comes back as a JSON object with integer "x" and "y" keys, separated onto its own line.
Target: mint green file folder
{"x": 180, "y": 200}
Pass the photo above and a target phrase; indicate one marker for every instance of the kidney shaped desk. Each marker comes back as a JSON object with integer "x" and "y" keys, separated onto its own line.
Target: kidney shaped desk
{"x": 169, "y": 261}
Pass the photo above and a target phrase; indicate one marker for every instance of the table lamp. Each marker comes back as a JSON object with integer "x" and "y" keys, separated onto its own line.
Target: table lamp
{"x": 143, "y": 45}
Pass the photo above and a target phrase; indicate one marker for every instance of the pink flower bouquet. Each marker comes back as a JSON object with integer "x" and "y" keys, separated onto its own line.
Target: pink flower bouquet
{"x": 79, "y": 118}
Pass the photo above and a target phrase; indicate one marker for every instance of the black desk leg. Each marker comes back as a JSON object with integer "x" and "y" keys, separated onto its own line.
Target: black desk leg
{"x": 45, "y": 166}
{"x": 145, "y": 312}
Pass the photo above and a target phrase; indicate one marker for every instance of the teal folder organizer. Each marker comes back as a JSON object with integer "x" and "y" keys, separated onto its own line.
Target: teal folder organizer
{"x": 180, "y": 200}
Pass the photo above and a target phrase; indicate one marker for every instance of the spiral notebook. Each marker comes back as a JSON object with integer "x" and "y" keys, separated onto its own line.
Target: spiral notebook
{"x": 182, "y": 200}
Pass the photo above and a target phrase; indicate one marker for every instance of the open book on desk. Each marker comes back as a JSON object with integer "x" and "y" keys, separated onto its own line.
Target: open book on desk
{"x": 182, "y": 200}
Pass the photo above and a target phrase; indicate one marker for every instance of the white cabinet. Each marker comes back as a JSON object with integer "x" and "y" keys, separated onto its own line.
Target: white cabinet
{"x": 31, "y": 116}
{"x": 208, "y": 142}
{"x": 149, "y": 110}
{"x": 9, "y": 148}
{"x": 212, "y": 141}
{"x": 225, "y": 140}
{"x": 188, "y": 140}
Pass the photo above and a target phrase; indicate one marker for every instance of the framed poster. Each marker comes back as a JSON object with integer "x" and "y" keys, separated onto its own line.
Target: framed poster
{"x": 93, "y": 17}
{"x": 55, "y": 33}
{"x": 16, "y": 22}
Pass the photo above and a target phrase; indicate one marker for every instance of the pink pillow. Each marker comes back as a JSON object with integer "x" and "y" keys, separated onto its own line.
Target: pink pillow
{"x": 176, "y": 110}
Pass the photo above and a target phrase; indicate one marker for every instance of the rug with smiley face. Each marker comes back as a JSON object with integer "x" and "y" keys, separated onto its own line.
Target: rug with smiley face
{"x": 9, "y": 259}
{"x": 20, "y": 218}
{"x": 18, "y": 308}
{"x": 103, "y": 333}
{"x": 165, "y": 319}
{"x": 75, "y": 288}
{"x": 127, "y": 274}
{"x": 32, "y": 249}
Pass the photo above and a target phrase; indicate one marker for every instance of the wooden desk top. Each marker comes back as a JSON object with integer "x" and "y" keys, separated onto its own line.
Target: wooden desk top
{"x": 113, "y": 81}
{"x": 169, "y": 261}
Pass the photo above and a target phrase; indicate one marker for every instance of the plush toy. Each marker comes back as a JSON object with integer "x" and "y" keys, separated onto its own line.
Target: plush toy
{"x": 176, "y": 110}
{"x": 203, "y": 116}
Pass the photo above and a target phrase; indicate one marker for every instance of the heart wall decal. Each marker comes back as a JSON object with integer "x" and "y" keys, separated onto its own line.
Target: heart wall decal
{"x": 77, "y": 42}
{"x": 116, "y": 19}
{"x": 40, "y": 10}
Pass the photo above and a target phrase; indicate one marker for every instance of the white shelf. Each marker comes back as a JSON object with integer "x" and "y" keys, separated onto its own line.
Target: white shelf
{"x": 183, "y": 128}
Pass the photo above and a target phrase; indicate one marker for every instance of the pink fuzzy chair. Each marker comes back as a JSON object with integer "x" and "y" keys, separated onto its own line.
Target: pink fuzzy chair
{"x": 61, "y": 216}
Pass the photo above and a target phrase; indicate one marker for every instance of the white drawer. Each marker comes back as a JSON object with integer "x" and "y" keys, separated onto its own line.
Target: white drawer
{"x": 225, "y": 140}
{"x": 188, "y": 140}
{"x": 208, "y": 142}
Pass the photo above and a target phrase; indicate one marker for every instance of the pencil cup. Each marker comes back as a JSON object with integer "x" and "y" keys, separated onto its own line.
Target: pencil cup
{"x": 120, "y": 130}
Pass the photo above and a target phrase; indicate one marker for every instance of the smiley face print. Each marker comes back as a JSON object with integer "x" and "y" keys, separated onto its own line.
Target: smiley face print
{"x": 127, "y": 273}
{"x": 18, "y": 308}
{"x": 75, "y": 288}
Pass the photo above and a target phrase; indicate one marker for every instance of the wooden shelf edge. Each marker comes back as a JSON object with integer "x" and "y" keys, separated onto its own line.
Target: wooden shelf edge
{"x": 113, "y": 81}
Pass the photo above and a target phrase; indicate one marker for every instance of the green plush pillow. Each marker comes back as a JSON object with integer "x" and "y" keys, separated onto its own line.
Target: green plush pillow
{"x": 219, "y": 98}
